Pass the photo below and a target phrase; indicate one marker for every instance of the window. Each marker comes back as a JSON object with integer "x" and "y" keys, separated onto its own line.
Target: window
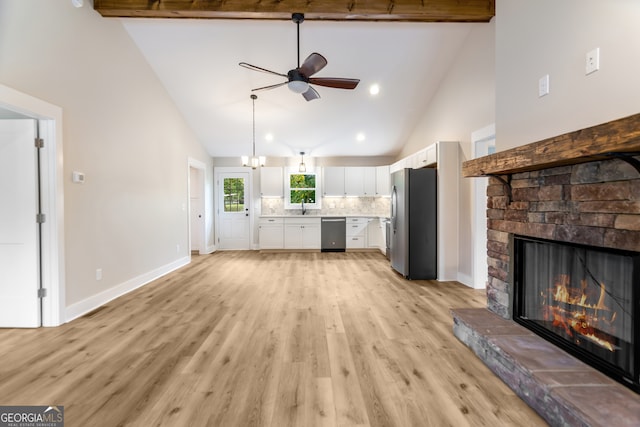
{"x": 303, "y": 187}
{"x": 233, "y": 195}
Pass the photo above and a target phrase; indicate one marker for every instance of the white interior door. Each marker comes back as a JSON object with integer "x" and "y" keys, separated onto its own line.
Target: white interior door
{"x": 234, "y": 210}
{"x": 196, "y": 209}
{"x": 19, "y": 233}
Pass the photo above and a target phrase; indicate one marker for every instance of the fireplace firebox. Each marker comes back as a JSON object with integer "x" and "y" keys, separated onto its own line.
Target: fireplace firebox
{"x": 584, "y": 299}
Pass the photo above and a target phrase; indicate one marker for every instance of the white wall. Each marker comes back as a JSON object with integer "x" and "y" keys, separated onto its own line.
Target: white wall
{"x": 534, "y": 38}
{"x": 464, "y": 103}
{"x": 120, "y": 129}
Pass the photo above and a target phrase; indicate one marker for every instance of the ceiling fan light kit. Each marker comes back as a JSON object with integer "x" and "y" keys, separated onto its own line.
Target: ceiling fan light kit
{"x": 298, "y": 86}
{"x": 299, "y": 79}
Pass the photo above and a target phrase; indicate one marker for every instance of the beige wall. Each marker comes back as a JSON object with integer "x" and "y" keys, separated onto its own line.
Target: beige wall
{"x": 534, "y": 38}
{"x": 465, "y": 99}
{"x": 120, "y": 129}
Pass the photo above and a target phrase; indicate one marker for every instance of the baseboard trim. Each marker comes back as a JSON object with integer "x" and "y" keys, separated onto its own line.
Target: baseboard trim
{"x": 465, "y": 279}
{"x": 83, "y": 307}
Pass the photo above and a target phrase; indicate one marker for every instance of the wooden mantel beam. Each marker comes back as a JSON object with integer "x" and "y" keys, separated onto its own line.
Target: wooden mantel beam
{"x": 585, "y": 145}
{"x": 333, "y": 10}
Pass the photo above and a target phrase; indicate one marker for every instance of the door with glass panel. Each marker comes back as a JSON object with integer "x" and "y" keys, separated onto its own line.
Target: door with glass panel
{"x": 234, "y": 210}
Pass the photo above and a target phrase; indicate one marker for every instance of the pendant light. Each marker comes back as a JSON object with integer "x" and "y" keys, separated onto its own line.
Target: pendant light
{"x": 302, "y": 167}
{"x": 254, "y": 161}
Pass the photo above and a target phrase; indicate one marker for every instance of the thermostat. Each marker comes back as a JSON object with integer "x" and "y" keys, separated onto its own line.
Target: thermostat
{"x": 78, "y": 177}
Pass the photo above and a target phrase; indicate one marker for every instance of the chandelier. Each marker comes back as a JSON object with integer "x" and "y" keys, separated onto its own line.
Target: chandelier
{"x": 253, "y": 161}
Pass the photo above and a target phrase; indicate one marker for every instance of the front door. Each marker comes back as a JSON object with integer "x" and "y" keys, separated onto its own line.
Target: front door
{"x": 233, "y": 208}
{"x": 19, "y": 231}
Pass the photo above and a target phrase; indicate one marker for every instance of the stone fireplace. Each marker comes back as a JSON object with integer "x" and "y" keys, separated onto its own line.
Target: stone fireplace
{"x": 571, "y": 204}
{"x": 594, "y": 205}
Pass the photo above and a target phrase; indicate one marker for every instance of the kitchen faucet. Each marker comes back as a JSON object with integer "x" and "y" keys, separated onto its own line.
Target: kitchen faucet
{"x": 303, "y": 209}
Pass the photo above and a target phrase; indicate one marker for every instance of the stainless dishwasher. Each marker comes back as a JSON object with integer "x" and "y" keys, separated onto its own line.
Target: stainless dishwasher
{"x": 333, "y": 231}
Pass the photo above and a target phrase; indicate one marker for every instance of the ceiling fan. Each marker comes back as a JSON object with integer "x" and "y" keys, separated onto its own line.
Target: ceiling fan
{"x": 299, "y": 79}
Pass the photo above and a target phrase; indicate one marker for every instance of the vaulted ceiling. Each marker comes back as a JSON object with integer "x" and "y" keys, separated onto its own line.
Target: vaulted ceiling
{"x": 403, "y": 46}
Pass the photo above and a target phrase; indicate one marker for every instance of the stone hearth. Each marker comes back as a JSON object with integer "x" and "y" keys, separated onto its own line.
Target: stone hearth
{"x": 562, "y": 389}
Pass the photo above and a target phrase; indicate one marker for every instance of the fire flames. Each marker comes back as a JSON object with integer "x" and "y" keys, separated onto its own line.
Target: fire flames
{"x": 580, "y": 311}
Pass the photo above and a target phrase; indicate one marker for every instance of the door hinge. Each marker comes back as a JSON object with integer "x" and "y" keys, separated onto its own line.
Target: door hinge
{"x": 39, "y": 142}
{"x": 41, "y": 218}
{"x": 42, "y": 292}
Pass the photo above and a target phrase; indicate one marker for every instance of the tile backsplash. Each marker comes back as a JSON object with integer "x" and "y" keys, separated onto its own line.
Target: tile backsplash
{"x": 365, "y": 206}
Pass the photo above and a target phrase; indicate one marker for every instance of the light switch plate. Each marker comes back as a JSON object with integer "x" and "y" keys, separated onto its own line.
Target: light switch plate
{"x": 77, "y": 177}
{"x": 592, "y": 61}
{"x": 543, "y": 85}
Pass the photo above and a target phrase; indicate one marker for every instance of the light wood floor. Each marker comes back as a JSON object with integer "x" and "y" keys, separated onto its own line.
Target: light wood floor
{"x": 278, "y": 339}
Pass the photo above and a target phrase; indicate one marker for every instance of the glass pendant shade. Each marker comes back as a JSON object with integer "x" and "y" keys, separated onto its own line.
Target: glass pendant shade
{"x": 302, "y": 167}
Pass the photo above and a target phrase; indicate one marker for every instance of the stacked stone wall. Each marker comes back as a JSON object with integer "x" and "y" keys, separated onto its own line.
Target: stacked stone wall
{"x": 596, "y": 204}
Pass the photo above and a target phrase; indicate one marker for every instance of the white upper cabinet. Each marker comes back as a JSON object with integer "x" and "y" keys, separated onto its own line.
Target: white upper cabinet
{"x": 359, "y": 181}
{"x": 426, "y": 157}
{"x": 333, "y": 181}
{"x": 370, "y": 182}
{"x": 271, "y": 182}
{"x": 383, "y": 180}
{"x": 354, "y": 181}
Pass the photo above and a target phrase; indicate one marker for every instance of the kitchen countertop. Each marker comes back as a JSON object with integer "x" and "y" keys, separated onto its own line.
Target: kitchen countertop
{"x": 325, "y": 216}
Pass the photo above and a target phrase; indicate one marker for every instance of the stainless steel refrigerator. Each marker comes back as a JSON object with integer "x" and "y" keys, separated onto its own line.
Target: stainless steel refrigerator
{"x": 414, "y": 242}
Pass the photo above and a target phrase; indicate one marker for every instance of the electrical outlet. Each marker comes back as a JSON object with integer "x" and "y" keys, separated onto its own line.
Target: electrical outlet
{"x": 592, "y": 61}
{"x": 178, "y": 248}
{"x": 543, "y": 85}
{"x": 98, "y": 274}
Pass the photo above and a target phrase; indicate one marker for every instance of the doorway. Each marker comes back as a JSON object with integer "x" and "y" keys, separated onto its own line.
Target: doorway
{"x": 234, "y": 210}
{"x": 484, "y": 143}
{"x": 197, "y": 235}
{"x": 50, "y": 266}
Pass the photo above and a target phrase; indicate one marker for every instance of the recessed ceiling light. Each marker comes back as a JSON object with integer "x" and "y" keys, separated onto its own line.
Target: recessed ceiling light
{"x": 269, "y": 137}
{"x": 360, "y": 137}
{"x": 374, "y": 89}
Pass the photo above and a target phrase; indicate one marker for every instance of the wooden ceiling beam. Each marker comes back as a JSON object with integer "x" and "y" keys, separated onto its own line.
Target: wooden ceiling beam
{"x": 331, "y": 10}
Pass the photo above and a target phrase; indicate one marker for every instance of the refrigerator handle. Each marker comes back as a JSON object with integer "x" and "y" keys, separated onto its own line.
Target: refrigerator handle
{"x": 394, "y": 208}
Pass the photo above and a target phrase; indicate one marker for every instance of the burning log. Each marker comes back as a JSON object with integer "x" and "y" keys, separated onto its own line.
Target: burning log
{"x": 569, "y": 309}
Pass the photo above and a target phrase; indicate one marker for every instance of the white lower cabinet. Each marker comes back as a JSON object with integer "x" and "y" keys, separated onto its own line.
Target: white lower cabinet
{"x": 271, "y": 233}
{"x": 302, "y": 233}
{"x": 375, "y": 233}
{"x": 357, "y": 233}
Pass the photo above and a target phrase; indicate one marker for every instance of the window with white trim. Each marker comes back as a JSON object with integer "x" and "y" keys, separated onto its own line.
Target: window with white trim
{"x": 302, "y": 187}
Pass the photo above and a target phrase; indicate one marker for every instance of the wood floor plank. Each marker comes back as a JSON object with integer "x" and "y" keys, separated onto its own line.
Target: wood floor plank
{"x": 243, "y": 338}
{"x": 350, "y": 409}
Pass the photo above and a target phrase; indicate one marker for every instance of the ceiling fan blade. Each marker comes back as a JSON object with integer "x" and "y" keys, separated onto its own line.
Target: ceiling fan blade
{"x": 269, "y": 87}
{"x": 256, "y": 68}
{"x": 314, "y": 63}
{"x": 311, "y": 94}
{"x": 337, "y": 83}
